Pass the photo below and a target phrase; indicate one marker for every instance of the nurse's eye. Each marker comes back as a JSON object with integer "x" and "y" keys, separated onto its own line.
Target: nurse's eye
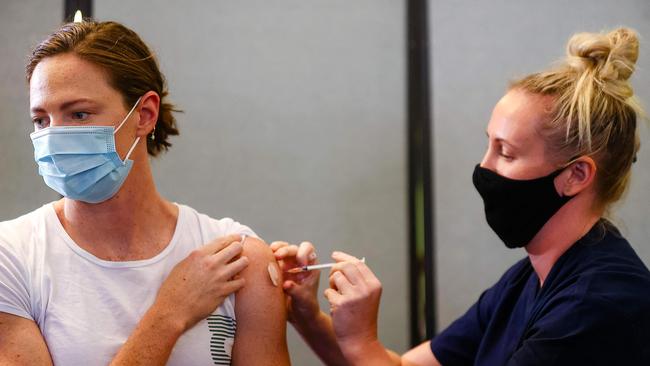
{"x": 506, "y": 156}
{"x": 80, "y": 116}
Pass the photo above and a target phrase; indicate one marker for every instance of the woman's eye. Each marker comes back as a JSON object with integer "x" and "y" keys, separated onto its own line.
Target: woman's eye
{"x": 506, "y": 156}
{"x": 39, "y": 122}
{"x": 80, "y": 116}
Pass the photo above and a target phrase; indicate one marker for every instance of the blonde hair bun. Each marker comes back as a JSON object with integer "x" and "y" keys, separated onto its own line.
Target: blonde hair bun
{"x": 595, "y": 111}
{"x": 609, "y": 57}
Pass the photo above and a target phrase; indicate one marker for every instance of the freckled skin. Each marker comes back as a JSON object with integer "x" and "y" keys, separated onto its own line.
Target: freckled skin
{"x": 66, "y": 77}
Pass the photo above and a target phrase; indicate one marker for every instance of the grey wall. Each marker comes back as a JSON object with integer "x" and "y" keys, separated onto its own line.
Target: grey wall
{"x": 294, "y": 124}
{"x": 477, "y": 47}
{"x": 294, "y": 121}
{"x": 22, "y": 25}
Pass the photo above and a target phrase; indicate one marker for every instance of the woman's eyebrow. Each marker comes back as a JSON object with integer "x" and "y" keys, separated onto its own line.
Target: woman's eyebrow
{"x": 64, "y": 105}
{"x": 76, "y": 101}
{"x": 503, "y": 141}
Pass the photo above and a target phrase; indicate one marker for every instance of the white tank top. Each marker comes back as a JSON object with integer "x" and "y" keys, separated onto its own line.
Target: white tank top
{"x": 87, "y": 307}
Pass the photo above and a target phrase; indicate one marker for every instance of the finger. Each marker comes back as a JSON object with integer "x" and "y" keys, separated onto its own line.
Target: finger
{"x": 289, "y": 287}
{"x": 341, "y": 283}
{"x": 233, "y": 268}
{"x": 336, "y": 268}
{"x": 294, "y": 290}
{"x": 233, "y": 286}
{"x": 333, "y": 297}
{"x": 306, "y": 251}
{"x": 352, "y": 273}
{"x": 277, "y": 245}
{"x": 226, "y": 254}
{"x": 219, "y": 243}
{"x": 368, "y": 275}
{"x": 343, "y": 257}
{"x": 286, "y": 252}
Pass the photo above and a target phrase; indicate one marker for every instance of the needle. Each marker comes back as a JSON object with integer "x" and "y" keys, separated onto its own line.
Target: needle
{"x": 317, "y": 266}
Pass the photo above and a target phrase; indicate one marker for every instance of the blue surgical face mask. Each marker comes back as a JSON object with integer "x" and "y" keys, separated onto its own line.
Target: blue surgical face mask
{"x": 80, "y": 162}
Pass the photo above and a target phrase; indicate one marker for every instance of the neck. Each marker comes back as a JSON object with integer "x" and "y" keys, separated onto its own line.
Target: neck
{"x": 564, "y": 229}
{"x": 134, "y": 224}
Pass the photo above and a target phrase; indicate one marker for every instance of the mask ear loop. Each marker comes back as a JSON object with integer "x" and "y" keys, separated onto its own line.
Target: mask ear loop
{"x": 127, "y": 116}
{"x": 568, "y": 164}
{"x": 137, "y": 139}
{"x": 574, "y": 159}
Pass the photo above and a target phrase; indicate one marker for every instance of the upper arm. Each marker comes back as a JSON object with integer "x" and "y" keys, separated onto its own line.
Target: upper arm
{"x": 459, "y": 343}
{"x": 420, "y": 356}
{"x": 261, "y": 312}
{"x": 581, "y": 331}
{"x": 21, "y": 342}
{"x": 14, "y": 288}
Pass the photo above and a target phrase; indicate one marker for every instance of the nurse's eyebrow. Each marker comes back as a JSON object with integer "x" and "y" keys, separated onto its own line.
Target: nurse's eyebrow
{"x": 65, "y": 105}
{"x": 501, "y": 140}
{"x": 506, "y": 142}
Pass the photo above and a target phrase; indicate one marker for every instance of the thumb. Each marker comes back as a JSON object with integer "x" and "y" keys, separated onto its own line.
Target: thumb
{"x": 291, "y": 288}
{"x": 288, "y": 285}
{"x": 294, "y": 290}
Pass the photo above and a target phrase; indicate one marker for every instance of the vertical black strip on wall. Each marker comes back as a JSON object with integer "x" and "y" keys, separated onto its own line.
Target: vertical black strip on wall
{"x": 420, "y": 183}
{"x": 71, "y": 7}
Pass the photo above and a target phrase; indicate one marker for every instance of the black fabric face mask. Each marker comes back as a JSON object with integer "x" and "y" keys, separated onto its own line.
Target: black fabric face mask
{"x": 517, "y": 209}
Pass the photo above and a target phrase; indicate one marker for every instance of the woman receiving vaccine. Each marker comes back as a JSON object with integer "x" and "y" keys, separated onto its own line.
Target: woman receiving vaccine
{"x": 561, "y": 144}
{"x": 113, "y": 273}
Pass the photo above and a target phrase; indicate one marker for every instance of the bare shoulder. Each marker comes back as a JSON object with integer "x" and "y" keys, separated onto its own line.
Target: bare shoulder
{"x": 256, "y": 249}
{"x": 262, "y": 269}
{"x": 260, "y": 309}
{"x": 21, "y": 342}
{"x": 259, "y": 295}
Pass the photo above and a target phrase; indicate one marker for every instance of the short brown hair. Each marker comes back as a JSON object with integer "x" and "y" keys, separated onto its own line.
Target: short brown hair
{"x": 131, "y": 67}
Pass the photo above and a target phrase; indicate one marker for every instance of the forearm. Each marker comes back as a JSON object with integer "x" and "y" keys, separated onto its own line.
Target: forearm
{"x": 152, "y": 340}
{"x": 319, "y": 335}
{"x": 370, "y": 353}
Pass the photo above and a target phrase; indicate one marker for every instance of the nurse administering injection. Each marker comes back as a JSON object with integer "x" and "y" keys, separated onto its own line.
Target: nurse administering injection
{"x": 561, "y": 144}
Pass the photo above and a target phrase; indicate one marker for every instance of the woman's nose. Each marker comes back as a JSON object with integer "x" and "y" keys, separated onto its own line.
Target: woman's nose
{"x": 56, "y": 120}
{"x": 486, "y": 159}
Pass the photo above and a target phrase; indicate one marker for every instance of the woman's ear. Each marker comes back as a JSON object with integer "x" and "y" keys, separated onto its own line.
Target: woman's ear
{"x": 577, "y": 176}
{"x": 149, "y": 109}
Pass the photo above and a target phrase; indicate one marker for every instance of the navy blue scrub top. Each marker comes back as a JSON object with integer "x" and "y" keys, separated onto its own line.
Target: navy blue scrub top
{"x": 593, "y": 309}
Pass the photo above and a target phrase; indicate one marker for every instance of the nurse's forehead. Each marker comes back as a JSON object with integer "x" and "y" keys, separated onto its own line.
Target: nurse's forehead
{"x": 519, "y": 113}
